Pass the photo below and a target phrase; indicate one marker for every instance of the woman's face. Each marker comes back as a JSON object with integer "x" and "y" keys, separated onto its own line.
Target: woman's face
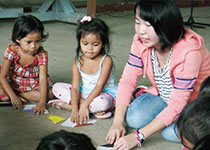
{"x": 146, "y": 32}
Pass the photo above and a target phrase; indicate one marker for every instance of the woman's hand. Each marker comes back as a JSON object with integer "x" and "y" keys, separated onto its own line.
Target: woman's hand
{"x": 17, "y": 103}
{"x": 126, "y": 142}
{"x": 84, "y": 112}
{"x": 115, "y": 132}
{"x": 39, "y": 109}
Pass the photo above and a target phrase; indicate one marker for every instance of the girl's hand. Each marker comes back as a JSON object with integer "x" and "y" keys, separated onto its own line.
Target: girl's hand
{"x": 83, "y": 112}
{"x": 75, "y": 115}
{"x": 39, "y": 109}
{"x": 126, "y": 142}
{"x": 115, "y": 132}
{"x": 17, "y": 103}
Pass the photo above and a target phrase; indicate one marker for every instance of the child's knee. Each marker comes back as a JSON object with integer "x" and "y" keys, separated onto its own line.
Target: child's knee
{"x": 60, "y": 87}
{"x": 55, "y": 87}
{"x": 102, "y": 102}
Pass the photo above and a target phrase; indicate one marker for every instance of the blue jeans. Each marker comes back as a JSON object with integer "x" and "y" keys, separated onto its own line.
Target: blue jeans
{"x": 144, "y": 109}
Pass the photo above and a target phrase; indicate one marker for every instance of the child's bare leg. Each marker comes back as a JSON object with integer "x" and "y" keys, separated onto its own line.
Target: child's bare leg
{"x": 32, "y": 95}
{"x": 5, "y": 98}
{"x": 35, "y": 95}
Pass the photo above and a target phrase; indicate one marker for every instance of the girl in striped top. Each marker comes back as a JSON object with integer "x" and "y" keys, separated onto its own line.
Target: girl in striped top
{"x": 176, "y": 62}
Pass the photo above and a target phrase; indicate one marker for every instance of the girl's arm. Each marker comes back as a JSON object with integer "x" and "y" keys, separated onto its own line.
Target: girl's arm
{"x": 15, "y": 100}
{"x": 40, "y": 107}
{"x": 75, "y": 92}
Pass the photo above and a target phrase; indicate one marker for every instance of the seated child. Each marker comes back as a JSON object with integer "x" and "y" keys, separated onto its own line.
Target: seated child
{"x": 93, "y": 88}
{"x": 193, "y": 123}
{"x": 63, "y": 140}
{"x": 24, "y": 70}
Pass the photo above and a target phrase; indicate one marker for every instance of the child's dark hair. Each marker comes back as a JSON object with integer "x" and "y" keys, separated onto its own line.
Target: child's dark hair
{"x": 203, "y": 144}
{"x": 205, "y": 87}
{"x": 27, "y": 24}
{"x": 193, "y": 123}
{"x": 63, "y": 140}
{"x": 95, "y": 26}
{"x": 166, "y": 19}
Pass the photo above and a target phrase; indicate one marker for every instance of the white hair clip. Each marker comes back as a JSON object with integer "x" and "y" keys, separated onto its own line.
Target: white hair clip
{"x": 86, "y": 18}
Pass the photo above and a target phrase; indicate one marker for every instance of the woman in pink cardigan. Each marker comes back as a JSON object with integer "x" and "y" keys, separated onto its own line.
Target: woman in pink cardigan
{"x": 176, "y": 62}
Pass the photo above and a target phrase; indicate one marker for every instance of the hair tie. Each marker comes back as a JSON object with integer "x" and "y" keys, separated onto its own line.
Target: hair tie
{"x": 86, "y": 18}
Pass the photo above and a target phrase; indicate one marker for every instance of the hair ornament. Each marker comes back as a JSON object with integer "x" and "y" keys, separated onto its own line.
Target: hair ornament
{"x": 86, "y": 18}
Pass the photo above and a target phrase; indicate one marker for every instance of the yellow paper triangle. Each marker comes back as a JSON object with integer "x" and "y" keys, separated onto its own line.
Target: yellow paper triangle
{"x": 56, "y": 119}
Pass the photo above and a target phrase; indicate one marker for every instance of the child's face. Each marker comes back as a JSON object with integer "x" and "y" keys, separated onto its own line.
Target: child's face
{"x": 30, "y": 43}
{"x": 91, "y": 45}
{"x": 185, "y": 142}
{"x": 146, "y": 32}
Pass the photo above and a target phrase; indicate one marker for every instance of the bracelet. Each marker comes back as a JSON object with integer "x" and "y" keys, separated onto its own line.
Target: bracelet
{"x": 138, "y": 138}
{"x": 141, "y": 136}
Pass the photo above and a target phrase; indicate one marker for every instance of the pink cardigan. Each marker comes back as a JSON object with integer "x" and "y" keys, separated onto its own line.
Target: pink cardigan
{"x": 189, "y": 66}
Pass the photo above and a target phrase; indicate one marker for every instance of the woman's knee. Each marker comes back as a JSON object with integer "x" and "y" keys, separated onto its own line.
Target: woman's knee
{"x": 135, "y": 119}
{"x": 143, "y": 110}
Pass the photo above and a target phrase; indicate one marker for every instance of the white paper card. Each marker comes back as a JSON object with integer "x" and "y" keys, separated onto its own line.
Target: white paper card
{"x": 69, "y": 123}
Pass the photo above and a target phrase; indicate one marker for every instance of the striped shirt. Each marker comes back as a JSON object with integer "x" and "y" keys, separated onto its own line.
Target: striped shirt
{"x": 162, "y": 77}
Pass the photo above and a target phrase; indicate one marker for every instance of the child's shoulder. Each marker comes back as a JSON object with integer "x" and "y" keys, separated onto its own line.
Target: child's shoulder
{"x": 107, "y": 59}
{"x": 12, "y": 48}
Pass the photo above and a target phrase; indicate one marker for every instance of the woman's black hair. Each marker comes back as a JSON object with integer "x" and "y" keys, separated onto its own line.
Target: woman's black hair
{"x": 63, "y": 140}
{"x": 166, "y": 19}
{"x": 27, "y": 24}
{"x": 193, "y": 123}
{"x": 205, "y": 87}
{"x": 95, "y": 26}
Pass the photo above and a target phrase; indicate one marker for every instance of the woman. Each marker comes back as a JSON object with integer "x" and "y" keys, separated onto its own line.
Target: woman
{"x": 175, "y": 61}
